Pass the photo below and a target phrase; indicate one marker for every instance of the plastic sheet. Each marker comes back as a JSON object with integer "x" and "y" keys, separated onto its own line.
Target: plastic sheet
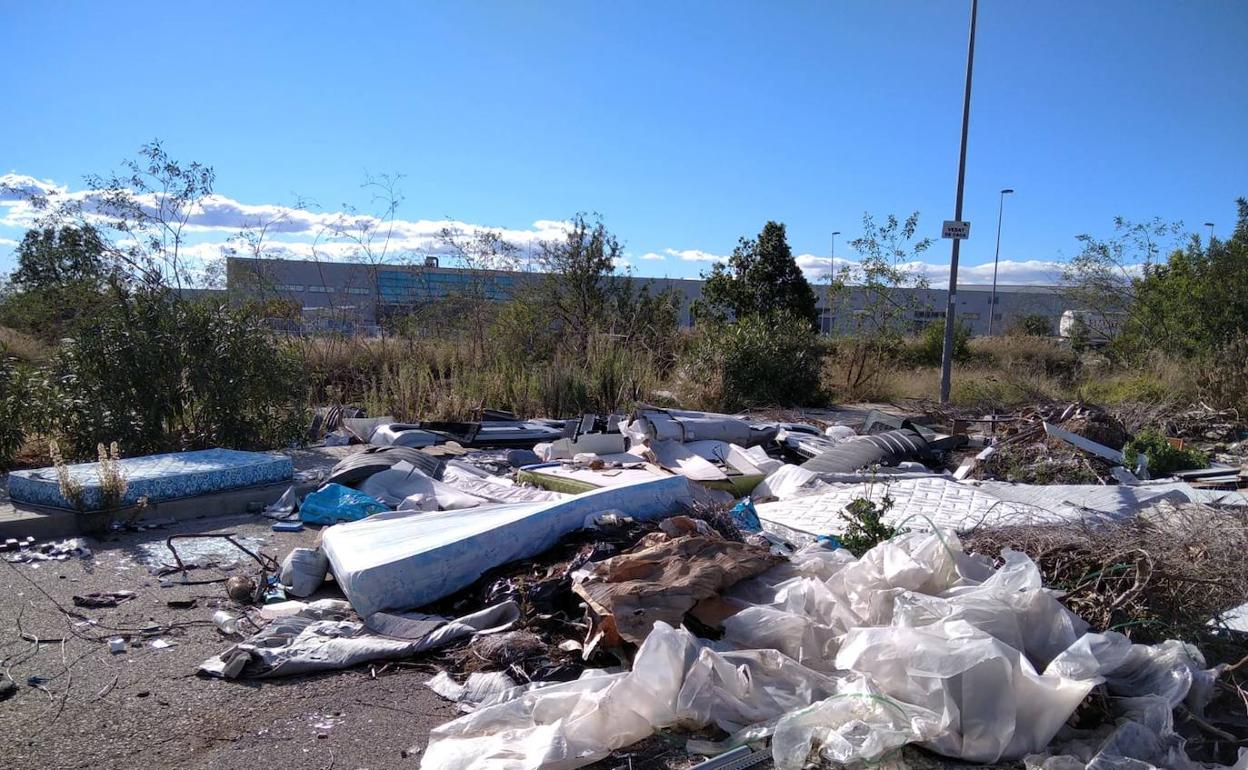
{"x": 405, "y": 487}
{"x": 847, "y": 659}
{"x": 334, "y": 503}
{"x": 788, "y": 482}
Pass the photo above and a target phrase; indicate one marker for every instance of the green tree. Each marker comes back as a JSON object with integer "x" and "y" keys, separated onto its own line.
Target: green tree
{"x": 582, "y": 293}
{"x": 579, "y": 282}
{"x": 1190, "y": 302}
{"x": 886, "y": 309}
{"x": 931, "y": 343}
{"x": 60, "y": 278}
{"x": 1103, "y": 278}
{"x": 760, "y": 279}
{"x": 60, "y": 256}
{"x": 771, "y": 360}
{"x": 886, "y": 255}
{"x": 1196, "y": 301}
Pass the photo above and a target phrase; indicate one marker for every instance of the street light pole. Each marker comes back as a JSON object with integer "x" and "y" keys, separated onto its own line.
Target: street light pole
{"x": 827, "y": 300}
{"x": 1210, "y": 226}
{"x": 946, "y": 359}
{"x": 992, "y": 309}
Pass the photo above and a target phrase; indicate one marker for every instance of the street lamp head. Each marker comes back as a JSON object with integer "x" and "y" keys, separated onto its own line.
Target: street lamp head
{"x": 1006, "y": 191}
{"x": 1208, "y": 224}
{"x": 838, "y": 232}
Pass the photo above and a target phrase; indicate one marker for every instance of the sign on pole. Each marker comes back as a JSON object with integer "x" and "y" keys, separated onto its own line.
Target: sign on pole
{"x": 956, "y": 230}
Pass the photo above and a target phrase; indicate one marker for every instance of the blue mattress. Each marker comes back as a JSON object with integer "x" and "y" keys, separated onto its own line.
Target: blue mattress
{"x": 156, "y": 477}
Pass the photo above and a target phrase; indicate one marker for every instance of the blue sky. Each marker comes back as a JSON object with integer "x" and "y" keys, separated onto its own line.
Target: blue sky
{"x": 686, "y": 125}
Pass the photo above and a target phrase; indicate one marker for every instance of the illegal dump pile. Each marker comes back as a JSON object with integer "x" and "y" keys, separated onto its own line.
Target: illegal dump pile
{"x": 582, "y": 585}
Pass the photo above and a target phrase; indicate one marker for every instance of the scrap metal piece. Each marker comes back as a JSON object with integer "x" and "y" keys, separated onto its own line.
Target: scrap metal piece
{"x": 738, "y": 759}
{"x": 1087, "y": 445}
{"x": 887, "y": 448}
{"x": 267, "y": 563}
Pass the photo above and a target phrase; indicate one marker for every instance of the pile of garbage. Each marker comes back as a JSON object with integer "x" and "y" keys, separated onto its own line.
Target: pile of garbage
{"x": 585, "y": 584}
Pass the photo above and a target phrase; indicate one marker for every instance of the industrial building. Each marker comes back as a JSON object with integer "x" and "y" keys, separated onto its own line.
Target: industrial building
{"x": 355, "y": 297}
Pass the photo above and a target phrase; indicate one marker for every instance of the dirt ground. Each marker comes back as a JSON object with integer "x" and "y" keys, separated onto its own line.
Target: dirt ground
{"x": 146, "y": 707}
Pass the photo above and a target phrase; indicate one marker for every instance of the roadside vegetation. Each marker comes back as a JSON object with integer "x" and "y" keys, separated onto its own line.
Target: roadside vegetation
{"x": 104, "y": 343}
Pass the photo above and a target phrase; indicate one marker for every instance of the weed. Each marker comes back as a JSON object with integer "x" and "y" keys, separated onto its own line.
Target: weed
{"x": 1163, "y": 457}
{"x": 113, "y": 482}
{"x": 70, "y": 489}
{"x": 865, "y": 527}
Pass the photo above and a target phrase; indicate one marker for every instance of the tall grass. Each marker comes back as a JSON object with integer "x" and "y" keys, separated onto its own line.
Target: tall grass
{"x": 444, "y": 379}
{"x": 439, "y": 379}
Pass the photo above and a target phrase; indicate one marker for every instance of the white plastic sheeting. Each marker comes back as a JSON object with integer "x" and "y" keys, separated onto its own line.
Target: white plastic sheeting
{"x": 404, "y": 486}
{"x": 788, "y": 482}
{"x": 916, "y": 642}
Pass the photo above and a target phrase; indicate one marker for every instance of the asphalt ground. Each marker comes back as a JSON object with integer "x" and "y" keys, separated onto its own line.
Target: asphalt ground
{"x": 147, "y": 707}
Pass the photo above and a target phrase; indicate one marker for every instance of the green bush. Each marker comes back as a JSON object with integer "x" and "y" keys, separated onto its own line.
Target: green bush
{"x": 759, "y": 361}
{"x": 156, "y": 373}
{"x": 1031, "y": 326}
{"x": 13, "y": 408}
{"x": 930, "y": 346}
{"x": 1163, "y": 457}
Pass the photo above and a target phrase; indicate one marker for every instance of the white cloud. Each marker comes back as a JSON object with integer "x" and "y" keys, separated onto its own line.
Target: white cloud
{"x": 695, "y": 255}
{"x": 1032, "y": 272}
{"x": 289, "y": 232}
{"x": 19, "y": 186}
{"x": 301, "y": 233}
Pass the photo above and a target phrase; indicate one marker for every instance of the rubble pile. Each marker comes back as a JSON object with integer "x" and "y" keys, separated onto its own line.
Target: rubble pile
{"x": 581, "y": 586}
{"x": 1025, "y": 453}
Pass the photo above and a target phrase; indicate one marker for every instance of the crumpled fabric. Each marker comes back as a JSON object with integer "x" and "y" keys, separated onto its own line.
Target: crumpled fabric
{"x": 325, "y": 637}
{"x": 848, "y": 659}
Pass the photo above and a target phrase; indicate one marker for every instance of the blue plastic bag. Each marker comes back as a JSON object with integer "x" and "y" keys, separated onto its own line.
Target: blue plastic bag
{"x": 334, "y": 503}
{"x": 745, "y": 517}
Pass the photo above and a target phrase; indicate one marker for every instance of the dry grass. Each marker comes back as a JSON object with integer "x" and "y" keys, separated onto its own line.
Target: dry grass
{"x": 1024, "y": 352}
{"x": 1164, "y": 574}
{"x": 1161, "y": 381}
{"x": 430, "y": 379}
{"x": 23, "y": 347}
{"x": 977, "y": 386}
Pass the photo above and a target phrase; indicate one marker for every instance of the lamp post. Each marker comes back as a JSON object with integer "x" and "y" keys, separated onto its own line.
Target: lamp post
{"x": 827, "y": 300}
{"x": 992, "y": 309}
{"x": 1210, "y": 226}
{"x": 946, "y": 358}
